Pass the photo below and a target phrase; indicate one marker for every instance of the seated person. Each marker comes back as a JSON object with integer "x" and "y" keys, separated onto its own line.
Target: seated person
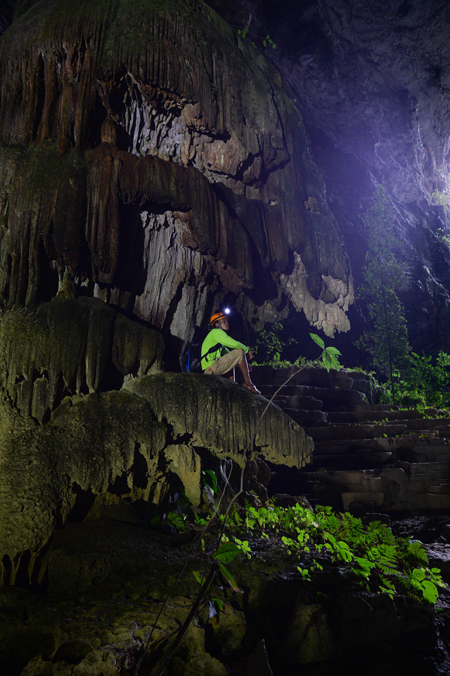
{"x": 220, "y": 353}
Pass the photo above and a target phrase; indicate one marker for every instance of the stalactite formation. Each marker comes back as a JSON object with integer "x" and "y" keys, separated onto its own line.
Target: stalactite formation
{"x": 110, "y": 110}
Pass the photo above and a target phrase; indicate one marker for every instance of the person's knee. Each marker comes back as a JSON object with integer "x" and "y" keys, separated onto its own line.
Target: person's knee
{"x": 241, "y": 354}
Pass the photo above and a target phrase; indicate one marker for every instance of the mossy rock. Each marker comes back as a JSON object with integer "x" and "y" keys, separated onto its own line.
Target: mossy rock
{"x": 224, "y": 417}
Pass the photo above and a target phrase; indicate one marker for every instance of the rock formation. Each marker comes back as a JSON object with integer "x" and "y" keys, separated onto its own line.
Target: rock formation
{"x": 371, "y": 81}
{"x": 160, "y": 167}
{"x": 68, "y": 448}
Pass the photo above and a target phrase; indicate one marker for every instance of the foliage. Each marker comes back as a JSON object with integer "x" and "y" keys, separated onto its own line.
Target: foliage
{"x": 245, "y": 33}
{"x": 440, "y": 199}
{"x": 209, "y": 479}
{"x": 329, "y": 355}
{"x": 443, "y": 236}
{"x": 384, "y": 277}
{"x": 424, "y": 383}
{"x": 369, "y": 556}
{"x": 270, "y": 346}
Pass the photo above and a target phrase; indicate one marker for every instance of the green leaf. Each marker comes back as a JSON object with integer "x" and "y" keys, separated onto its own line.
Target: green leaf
{"x": 317, "y": 339}
{"x": 418, "y": 574}
{"x": 430, "y": 592}
{"x": 335, "y": 363}
{"x": 230, "y": 579}
{"x": 364, "y": 563}
{"x": 333, "y": 350}
{"x": 226, "y": 553}
{"x": 199, "y": 578}
{"x": 210, "y": 479}
{"x": 219, "y": 604}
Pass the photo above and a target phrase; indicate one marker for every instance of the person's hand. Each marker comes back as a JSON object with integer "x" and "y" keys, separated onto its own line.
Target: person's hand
{"x": 250, "y": 354}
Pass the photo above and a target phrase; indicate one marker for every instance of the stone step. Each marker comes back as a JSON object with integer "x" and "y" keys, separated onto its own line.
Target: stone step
{"x": 437, "y": 503}
{"x": 332, "y": 399}
{"x": 429, "y": 424}
{"x": 429, "y": 468}
{"x": 372, "y": 457}
{"x": 364, "y": 500}
{"x": 297, "y": 401}
{"x": 307, "y": 418}
{"x": 361, "y": 431}
{"x": 317, "y": 377}
{"x": 349, "y": 461}
{"x": 376, "y": 407}
{"x": 351, "y": 446}
{"x": 431, "y": 453}
{"x": 373, "y": 416}
{"x": 441, "y": 489}
{"x": 371, "y": 478}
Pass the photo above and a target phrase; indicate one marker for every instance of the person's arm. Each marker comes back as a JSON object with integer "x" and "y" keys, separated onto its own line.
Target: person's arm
{"x": 228, "y": 341}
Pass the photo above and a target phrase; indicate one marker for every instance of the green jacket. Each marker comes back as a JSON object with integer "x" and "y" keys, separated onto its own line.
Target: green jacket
{"x": 219, "y": 342}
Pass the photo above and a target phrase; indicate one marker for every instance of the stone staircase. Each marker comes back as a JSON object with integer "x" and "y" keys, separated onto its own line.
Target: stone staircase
{"x": 367, "y": 458}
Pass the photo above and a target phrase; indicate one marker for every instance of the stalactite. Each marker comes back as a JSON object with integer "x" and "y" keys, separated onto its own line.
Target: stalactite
{"x": 204, "y": 115}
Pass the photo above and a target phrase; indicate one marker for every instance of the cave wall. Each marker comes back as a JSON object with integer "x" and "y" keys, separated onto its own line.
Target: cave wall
{"x": 371, "y": 80}
{"x": 158, "y": 161}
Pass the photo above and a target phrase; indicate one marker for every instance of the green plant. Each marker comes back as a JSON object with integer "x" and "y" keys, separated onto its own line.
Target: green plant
{"x": 270, "y": 346}
{"x": 384, "y": 277}
{"x": 442, "y": 235}
{"x": 245, "y": 33}
{"x": 370, "y": 556}
{"x": 209, "y": 479}
{"x": 440, "y": 198}
{"x": 424, "y": 381}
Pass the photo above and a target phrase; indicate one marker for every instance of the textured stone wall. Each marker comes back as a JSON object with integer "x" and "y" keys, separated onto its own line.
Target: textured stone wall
{"x": 371, "y": 80}
{"x": 115, "y": 114}
{"x": 71, "y": 347}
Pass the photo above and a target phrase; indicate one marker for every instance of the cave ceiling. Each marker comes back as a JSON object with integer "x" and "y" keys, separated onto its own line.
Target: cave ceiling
{"x": 153, "y": 158}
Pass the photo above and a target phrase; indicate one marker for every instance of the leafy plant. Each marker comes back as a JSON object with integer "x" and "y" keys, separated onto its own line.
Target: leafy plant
{"x": 384, "y": 277}
{"x": 245, "y": 33}
{"x": 369, "y": 555}
{"x": 210, "y": 479}
{"x": 440, "y": 198}
{"x": 423, "y": 381}
{"x": 270, "y": 348}
{"x": 442, "y": 235}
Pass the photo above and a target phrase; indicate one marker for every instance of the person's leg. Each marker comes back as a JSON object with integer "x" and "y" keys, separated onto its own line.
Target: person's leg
{"x": 244, "y": 369}
{"x": 224, "y": 366}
